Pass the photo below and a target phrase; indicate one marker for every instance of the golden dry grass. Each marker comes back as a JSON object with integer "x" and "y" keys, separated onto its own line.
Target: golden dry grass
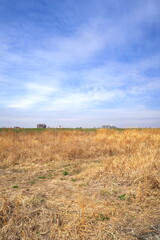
{"x": 76, "y": 185}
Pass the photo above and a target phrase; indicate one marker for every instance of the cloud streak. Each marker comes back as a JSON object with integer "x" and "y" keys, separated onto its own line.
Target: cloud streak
{"x": 100, "y": 60}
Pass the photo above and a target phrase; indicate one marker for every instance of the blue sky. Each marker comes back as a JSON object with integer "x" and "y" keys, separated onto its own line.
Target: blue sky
{"x": 80, "y": 63}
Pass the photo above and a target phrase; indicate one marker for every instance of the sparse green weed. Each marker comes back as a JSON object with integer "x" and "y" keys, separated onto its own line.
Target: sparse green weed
{"x": 65, "y": 173}
{"x": 73, "y": 179}
{"x": 102, "y": 217}
{"x": 124, "y": 197}
{"x": 42, "y": 177}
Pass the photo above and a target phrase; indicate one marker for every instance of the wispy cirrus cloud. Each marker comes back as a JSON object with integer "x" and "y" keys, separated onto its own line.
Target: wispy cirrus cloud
{"x": 34, "y": 94}
{"x": 106, "y": 58}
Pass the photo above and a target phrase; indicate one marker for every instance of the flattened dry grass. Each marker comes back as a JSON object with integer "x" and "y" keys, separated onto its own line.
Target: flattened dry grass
{"x": 101, "y": 185}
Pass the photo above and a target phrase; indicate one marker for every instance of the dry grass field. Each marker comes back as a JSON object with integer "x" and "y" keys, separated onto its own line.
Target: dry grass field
{"x": 77, "y": 185}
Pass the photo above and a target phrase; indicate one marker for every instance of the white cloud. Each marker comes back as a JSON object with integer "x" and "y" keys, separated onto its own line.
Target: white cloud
{"x": 40, "y": 89}
{"x": 51, "y": 99}
{"x": 82, "y": 69}
{"x": 83, "y": 100}
{"x": 79, "y": 47}
{"x": 131, "y": 77}
{"x": 35, "y": 93}
{"x": 152, "y": 85}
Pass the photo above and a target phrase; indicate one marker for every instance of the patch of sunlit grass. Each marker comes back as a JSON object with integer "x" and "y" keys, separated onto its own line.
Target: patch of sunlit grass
{"x": 110, "y": 188}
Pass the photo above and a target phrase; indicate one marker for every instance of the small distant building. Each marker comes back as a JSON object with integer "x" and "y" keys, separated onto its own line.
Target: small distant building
{"x": 41, "y": 126}
{"x": 108, "y": 126}
{"x": 17, "y": 127}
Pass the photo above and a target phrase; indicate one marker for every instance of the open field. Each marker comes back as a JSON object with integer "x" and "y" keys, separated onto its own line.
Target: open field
{"x": 52, "y": 129}
{"x": 46, "y": 129}
{"x": 80, "y": 185}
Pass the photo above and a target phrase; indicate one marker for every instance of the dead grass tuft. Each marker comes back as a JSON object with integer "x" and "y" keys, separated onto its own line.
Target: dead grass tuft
{"x": 80, "y": 185}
